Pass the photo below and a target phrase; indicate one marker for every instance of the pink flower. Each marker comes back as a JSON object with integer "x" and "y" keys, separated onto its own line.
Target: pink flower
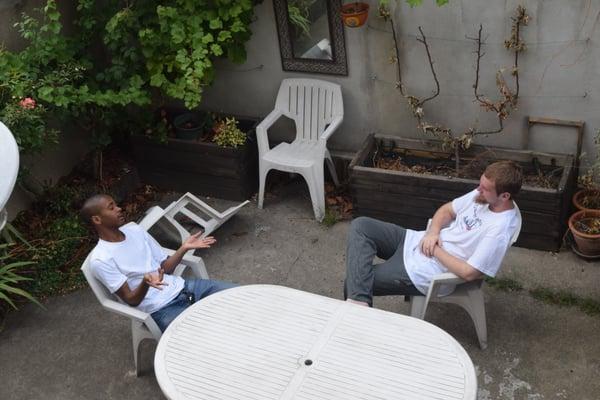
{"x": 27, "y": 103}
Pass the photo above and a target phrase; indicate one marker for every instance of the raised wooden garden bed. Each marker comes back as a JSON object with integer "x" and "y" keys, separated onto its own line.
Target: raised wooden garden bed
{"x": 410, "y": 199}
{"x": 202, "y": 168}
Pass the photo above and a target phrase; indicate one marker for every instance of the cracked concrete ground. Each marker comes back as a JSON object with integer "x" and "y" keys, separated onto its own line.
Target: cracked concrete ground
{"x": 75, "y": 350}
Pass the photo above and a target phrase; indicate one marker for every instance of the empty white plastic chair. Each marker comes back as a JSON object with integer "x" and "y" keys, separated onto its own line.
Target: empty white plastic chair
{"x": 193, "y": 208}
{"x": 468, "y": 295}
{"x": 9, "y": 168}
{"x": 142, "y": 324}
{"x": 317, "y": 110}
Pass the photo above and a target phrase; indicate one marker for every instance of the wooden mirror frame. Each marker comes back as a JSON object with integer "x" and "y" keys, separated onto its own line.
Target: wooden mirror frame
{"x": 337, "y": 66}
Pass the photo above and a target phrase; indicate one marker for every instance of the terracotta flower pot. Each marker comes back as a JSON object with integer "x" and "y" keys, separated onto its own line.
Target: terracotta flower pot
{"x": 587, "y": 199}
{"x": 355, "y": 14}
{"x": 587, "y": 243}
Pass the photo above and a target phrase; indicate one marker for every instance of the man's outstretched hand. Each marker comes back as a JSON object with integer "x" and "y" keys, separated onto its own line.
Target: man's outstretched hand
{"x": 155, "y": 279}
{"x": 428, "y": 243}
{"x": 195, "y": 242}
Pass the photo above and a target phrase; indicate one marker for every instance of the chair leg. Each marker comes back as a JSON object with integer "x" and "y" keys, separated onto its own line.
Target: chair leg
{"x": 261, "y": 185}
{"x": 418, "y": 306}
{"x": 331, "y": 167}
{"x": 314, "y": 180}
{"x": 137, "y": 338}
{"x": 475, "y": 307}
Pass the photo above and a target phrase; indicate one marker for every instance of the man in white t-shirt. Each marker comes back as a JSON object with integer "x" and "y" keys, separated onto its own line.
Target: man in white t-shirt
{"x": 131, "y": 264}
{"x": 468, "y": 236}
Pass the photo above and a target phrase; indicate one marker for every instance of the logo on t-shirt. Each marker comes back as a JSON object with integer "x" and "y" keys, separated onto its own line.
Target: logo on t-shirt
{"x": 472, "y": 222}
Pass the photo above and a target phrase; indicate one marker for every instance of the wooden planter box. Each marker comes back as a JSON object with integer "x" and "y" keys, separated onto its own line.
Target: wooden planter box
{"x": 410, "y": 199}
{"x": 202, "y": 168}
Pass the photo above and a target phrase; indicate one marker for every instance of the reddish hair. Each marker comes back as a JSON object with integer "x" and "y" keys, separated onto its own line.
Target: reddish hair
{"x": 506, "y": 175}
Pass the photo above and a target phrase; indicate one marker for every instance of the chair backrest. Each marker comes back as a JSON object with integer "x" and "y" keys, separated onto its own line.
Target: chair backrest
{"x": 311, "y": 103}
{"x": 517, "y": 231}
{"x": 100, "y": 291}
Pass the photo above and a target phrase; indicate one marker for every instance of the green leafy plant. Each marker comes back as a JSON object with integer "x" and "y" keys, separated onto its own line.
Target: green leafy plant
{"x": 298, "y": 12}
{"x": 10, "y": 279}
{"x": 590, "y": 180}
{"x": 227, "y": 133}
{"x": 53, "y": 80}
{"x": 170, "y": 44}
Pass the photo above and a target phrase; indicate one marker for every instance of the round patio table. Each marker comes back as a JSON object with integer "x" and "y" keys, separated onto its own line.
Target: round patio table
{"x": 263, "y": 342}
{"x": 9, "y": 167}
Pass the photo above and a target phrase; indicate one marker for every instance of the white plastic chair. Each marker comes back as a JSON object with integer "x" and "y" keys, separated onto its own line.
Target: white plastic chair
{"x": 317, "y": 110}
{"x": 165, "y": 219}
{"x": 142, "y": 324}
{"x": 468, "y": 295}
{"x": 9, "y": 167}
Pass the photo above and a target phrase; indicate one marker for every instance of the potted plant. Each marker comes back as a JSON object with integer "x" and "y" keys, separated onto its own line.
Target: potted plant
{"x": 190, "y": 126}
{"x": 355, "y": 14}
{"x": 588, "y": 198}
{"x": 221, "y": 163}
{"x": 585, "y": 227}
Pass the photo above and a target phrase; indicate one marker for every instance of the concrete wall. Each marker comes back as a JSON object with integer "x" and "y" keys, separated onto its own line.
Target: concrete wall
{"x": 48, "y": 167}
{"x": 560, "y": 71}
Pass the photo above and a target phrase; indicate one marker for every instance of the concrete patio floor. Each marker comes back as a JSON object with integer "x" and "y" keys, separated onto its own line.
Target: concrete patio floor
{"x": 75, "y": 350}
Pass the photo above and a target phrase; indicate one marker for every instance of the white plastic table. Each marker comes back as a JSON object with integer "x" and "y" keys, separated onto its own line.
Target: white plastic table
{"x": 9, "y": 168}
{"x": 263, "y": 342}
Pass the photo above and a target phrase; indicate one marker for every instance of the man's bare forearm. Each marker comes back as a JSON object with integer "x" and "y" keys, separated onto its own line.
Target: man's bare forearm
{"x": 454, "y": 264}
{"x": 133, "y": 297}
{"x": 173, "y": 260}
{"x": 442, "y": 217}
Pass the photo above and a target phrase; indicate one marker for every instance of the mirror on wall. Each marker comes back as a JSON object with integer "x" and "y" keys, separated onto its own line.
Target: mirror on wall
{"x": 311, "y": 36}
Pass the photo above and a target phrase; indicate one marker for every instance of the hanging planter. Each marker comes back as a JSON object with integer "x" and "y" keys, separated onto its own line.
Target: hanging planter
{"x": 585, "y": 227}
{"x": 355, "y": 14}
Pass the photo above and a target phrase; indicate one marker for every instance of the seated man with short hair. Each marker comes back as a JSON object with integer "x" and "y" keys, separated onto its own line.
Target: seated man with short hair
{"x": 129, "y": 262}
{"x": 468, "y": 236}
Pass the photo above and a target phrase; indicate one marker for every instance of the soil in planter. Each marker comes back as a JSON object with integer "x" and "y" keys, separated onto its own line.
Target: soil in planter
{"x": 590, "y": 226}
{"x": 534, "y": 174}
{"x": 592, "y": 202}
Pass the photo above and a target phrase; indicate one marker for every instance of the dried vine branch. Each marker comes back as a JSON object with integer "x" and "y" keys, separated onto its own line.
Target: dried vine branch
{"x": 423, "y": 40}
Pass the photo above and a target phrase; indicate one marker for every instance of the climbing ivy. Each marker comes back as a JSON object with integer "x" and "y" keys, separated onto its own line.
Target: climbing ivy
{"x": 123, "y": 54}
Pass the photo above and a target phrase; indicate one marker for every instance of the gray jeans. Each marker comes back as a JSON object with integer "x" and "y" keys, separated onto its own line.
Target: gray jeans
{"x": 368, "y": 238}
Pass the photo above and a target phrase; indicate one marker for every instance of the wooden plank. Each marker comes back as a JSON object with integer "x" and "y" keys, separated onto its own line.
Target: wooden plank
{"x": 526, "y": 200}
{"x": 525, "y": 156}
{"x": 554, "y": 121}
{"x": 203, "y": 185}
{"x": 158, "y": 152}
{"x": 364, "y": 151}
{"x": 175, "y": 167}
{"x": 560, "y": 122}
{"x": 539, "y": 242}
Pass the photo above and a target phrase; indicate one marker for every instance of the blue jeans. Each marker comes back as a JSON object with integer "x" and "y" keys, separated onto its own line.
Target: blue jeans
{"x": 194, "y": 290}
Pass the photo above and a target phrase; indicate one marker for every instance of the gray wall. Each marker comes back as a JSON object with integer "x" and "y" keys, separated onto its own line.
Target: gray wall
{"x": 560, "y": 71}
{"x": 48, "y": 167}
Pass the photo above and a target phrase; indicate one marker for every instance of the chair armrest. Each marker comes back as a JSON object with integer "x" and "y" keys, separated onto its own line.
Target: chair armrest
{"x": 261, "y": 130}
{"x": 189, "y": 260}
{"x": 447, "y": 278}
{"x": 124, "y": 310}
{"x": 332, "y": 127}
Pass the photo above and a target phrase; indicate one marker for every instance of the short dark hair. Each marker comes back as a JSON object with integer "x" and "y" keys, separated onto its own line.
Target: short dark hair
{"x": 507, "y": 176}
{"x": 91, "y": 207}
